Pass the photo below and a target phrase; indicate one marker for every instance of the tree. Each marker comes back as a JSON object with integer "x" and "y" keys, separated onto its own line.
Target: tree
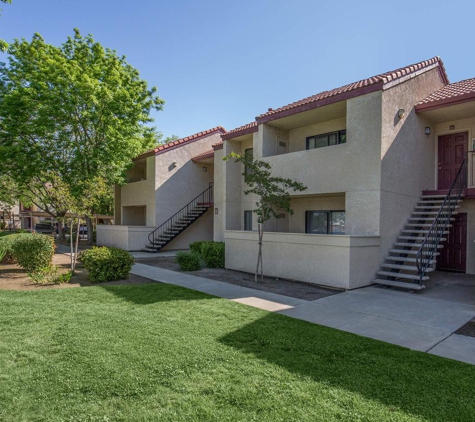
{"x": 272, "y": 192}
{"x": 4, "y": 44}
{"x": 72, "y": 115}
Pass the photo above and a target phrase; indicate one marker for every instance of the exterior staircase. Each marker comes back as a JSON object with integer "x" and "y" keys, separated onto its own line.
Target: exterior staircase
{"x": 414, "y": 255}
{"x": 180, "y": 221}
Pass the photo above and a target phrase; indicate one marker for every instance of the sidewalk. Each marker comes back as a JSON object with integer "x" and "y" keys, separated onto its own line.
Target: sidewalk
{"x": 410, "y": 320}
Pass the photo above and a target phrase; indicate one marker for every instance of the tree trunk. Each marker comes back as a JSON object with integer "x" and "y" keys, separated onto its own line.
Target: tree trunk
{"x": 71, "y": 248}
{"x": 90, "y": 230}
{"x": 76, "y": 246}
{"x": 260, "y": 231}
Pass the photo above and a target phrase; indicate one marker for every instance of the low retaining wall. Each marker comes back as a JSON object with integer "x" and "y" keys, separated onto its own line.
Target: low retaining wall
{"x": 130, "y": 238}
{"x": 344, "y": 262}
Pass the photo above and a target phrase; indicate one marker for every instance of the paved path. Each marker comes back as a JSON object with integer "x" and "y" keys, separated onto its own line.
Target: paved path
{"x": 407, "y": 319}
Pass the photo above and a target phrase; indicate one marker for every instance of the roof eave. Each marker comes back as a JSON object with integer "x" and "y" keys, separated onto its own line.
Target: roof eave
{"x": 239, "y": 133}
{"x": 446, "y": 102}
{"x": 321, "y": 103}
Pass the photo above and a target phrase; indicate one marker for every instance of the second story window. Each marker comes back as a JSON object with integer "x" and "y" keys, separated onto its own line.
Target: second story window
{"x": 326, "y": 139}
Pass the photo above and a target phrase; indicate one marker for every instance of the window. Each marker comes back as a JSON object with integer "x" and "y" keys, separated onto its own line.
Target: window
{"x": 248, "y": 220}
{"x": 326, "y": 139}
{"x": 325, "y": 222}
{"x": 248, "y": 153}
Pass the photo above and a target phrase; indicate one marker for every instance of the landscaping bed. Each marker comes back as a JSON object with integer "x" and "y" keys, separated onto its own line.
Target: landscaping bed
{"x": 468, "y": 329}
{"x": 295, "y": 289}
{"x": 13, "y": 277}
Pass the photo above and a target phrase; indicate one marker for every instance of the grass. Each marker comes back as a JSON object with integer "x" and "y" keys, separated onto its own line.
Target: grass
{"x": 162, "y": 353}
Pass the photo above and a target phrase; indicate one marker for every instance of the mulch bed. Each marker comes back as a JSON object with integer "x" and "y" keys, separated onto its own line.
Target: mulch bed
{"x": 290, "y": 288}
{"x": 468, "y": 329}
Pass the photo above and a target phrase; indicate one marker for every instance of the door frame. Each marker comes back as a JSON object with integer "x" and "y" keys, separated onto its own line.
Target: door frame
{"x": 468, "y": 131}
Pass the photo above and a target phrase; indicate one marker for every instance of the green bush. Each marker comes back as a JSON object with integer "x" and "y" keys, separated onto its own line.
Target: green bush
{"x": 213, "y": 254}
{"x": 107, "y": 264}
{"x": 6, "y": 249}
{"x": 188, "y": 261}
{"x": 33, "y": 252}
{"x": 196, "y": 247}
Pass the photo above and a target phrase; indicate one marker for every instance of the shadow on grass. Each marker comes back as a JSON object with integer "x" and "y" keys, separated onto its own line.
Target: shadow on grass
{"x": 417, "y": 383}
{"x": 146, "y": 294}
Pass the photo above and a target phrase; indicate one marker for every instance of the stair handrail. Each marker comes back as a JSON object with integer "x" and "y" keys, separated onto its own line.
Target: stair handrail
{"x": 205, "y": 197}
{"x": 429, "y": 246}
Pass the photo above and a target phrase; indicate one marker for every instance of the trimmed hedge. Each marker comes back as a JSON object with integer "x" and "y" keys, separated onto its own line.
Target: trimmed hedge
{"x": 188, "y": 261}
{"x": 107, "y": 264}
{"x": 211, "y": 252}
{"x": 33, "y": 252}
{"x": 6, "y": 249}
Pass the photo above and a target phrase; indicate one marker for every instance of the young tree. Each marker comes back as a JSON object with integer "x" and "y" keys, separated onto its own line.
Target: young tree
{"x": 78, "y": 112}
{"x": 273, "y": 195}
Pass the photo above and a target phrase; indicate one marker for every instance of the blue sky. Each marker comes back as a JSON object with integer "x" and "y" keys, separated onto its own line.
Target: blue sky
{"x": 221, "y": 62}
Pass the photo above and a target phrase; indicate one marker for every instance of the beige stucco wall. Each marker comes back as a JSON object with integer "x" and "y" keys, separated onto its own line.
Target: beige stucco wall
{"x": 298, "y": 137}
{"x": 176, "y": 186}
{"x": 219, "y": 198}
{"x": 317, "y": 203}
{"x": 140, "y": 194}
{"x": 129, "y": 238}
{"x": 343, "y": 262}
{"x": 407, "y": 154}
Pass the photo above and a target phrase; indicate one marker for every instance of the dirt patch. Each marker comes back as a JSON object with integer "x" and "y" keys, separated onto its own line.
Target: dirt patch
{"x": 290, "y": 288}
{"x": 468, "y": 329}
{"x": 12, "y": 277}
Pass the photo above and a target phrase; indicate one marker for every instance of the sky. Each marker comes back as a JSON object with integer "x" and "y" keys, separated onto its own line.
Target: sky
{"x": 223, "y": 62}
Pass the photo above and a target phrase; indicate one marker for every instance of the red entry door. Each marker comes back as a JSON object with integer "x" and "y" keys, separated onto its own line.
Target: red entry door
{"x": 452, "y": 149}
{"x": 453, "y": 256}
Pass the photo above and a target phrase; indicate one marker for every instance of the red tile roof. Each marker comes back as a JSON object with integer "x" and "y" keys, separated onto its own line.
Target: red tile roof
{"x": 352, "y": 90}
{"x": 456, "y": 93}
{"x": 204, "y": 155}
{"x": 217, "y": 146}
{"x": 180, "y": 142}
{"x": 240, "y": 131}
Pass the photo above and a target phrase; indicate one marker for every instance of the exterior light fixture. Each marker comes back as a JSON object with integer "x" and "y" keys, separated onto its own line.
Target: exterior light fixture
{"x": 204, "y": 168}
{"x": 401, "y": 112}
{"x": 427, "y": 130}
{"x": 174, "y": 164}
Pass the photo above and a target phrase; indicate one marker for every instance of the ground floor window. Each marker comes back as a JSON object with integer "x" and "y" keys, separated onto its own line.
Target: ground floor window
{"x": 247, "y": 220}
{"x": 325, "y": 222}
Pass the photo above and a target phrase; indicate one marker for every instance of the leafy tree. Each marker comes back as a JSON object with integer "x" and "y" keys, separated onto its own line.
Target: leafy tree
{"x": 4, "y": 44}
{"x": 273, "y": 195}
{"x": 71, "y": 118}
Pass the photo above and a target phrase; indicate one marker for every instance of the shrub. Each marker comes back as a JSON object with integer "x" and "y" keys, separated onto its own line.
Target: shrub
{"x": 6, "y": 249}
{"x": 188, "y": 261}
{"x": 196, "y": 247}
{"x": 50, "y": 275}
{"x": 107, "y": 264}
{"x": 213, "y": 254}
{"x": 33, "y": 252}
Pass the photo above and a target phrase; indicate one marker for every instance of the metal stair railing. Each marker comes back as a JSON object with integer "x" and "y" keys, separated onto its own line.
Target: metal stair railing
{"x": 429, "y": 246}
{"x": 185, "y": 216}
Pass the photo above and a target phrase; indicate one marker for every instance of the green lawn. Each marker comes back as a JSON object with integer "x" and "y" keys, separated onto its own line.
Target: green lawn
{"x": 162, "y": 353}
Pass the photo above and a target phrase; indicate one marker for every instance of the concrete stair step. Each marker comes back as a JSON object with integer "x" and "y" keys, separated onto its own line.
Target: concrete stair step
{"x": 434, "y": 213}
{"x": 423, "y": 225}
{"x": 413, "y": 245}
{"x": 400, "y": 284}
{"x": 437, "y": 196}
{"x": 429, "y": 219}
{"x": 433, "y": 207}
{"x": 420, "y": 231}
{"x": 420, "y": 239}
{"x": 410, "y": 252}
{"x": 406, "y": 259}
{"x": 399, "y": 275}
{"x": 404, "y": 267}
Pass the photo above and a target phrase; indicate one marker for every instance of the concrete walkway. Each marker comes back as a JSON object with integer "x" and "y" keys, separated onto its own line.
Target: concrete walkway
{"x": 415, "y": 321}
